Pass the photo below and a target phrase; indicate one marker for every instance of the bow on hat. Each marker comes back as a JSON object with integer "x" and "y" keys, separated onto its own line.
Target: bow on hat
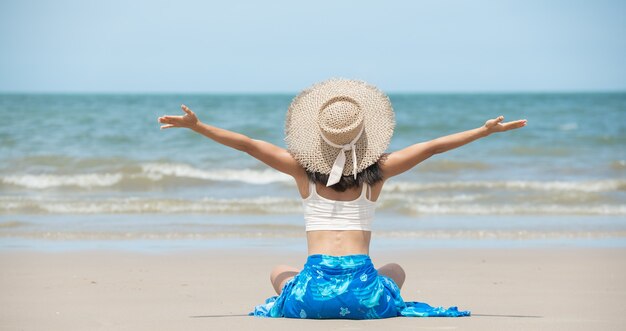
{"x": 337, "y": 171}
{"x": 341, "y": 124}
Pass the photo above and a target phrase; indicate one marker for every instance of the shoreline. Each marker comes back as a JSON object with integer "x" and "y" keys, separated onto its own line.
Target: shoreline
{"x": 197, "y": 231}
{"x": 567, "y": 288}
{"x": 298, "y": 245}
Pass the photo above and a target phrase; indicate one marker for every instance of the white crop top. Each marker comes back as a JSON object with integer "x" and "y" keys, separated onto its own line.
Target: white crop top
{"x": 325, "y": 214}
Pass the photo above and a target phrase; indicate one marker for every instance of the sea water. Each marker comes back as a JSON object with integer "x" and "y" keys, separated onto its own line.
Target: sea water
{"x": 97, "y": 168}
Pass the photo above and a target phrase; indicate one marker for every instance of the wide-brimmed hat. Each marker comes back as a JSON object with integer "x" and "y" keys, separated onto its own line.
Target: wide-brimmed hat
{"x": 339, "y": 127}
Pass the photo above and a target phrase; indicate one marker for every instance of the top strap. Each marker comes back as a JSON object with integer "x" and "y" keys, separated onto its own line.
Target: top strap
{"x": 312, "y": 187}
{"x": 366, "y": 192}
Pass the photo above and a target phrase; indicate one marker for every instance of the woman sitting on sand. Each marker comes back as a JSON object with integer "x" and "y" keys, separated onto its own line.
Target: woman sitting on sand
{"x": 337, "y": 132}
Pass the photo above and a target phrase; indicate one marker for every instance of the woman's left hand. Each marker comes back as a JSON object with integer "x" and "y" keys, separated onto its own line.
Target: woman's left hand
{"x": 189, "y": 120}
{"x": 496, "y": 125}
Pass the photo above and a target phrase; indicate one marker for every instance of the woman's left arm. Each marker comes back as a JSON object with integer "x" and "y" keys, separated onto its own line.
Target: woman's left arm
{"x": 398, "y": 162}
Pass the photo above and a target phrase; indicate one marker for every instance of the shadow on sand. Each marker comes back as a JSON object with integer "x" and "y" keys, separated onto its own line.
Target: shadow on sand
{"x": 515, "y": 316}
{"x": 475, "y": 315}
{"x": 225, "y": 315}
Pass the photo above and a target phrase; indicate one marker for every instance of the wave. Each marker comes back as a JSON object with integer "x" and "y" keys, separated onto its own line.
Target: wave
{"x": 48, "y": 181}
{"x": 580, "y": 186}
{"x": 263, "y": 205}
{"x": 570, "y": 126}
{"x": 144, "y": 176}
{"x": 516, "y": 209}
{"x": 461, "y": 205}
{"x": 156, "y": 171}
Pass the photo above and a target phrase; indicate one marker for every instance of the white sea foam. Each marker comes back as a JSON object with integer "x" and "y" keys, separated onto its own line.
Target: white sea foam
{"x": 568, "y": 126}
{"x": 156, "y": 171}
{"x": 517, "y": 209}
{"x": 261, "y": 205}
{"x": 152, "y": 171}
{"x": 49, "y": 181}
{"x": 462, "y": 205}
{"x": 581, "y": 186}
{"x": 429, "y": 199}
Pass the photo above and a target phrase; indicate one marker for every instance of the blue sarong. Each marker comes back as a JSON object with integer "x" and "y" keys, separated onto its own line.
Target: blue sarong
{"x": 346, "y": 287}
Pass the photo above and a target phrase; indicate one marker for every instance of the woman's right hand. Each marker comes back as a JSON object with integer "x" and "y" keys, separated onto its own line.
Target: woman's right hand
{"x": 189, "y": 120}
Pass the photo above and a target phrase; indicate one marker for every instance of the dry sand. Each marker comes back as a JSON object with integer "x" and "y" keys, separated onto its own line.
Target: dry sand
{"x": 508, "y": 289}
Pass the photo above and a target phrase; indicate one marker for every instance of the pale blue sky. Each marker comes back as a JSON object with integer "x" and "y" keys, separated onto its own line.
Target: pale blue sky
{"x": 284, "y": 46}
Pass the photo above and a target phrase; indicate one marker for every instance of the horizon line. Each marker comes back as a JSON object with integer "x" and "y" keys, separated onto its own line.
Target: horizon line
{"x": 391, "y": 92}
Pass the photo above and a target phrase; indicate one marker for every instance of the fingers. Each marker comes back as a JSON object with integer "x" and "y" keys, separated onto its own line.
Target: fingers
{"x": 169, "y": 119}
{"x": 186, "y": 109}
{"x": 514, "y": 124}
{"x": 163, "y": 119}
{"x": 518, "y": 123}
{"x": 494, "y": 122}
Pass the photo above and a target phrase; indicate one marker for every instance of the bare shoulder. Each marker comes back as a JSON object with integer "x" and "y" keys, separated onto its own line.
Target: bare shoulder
{"x": 302, "y": 181}
{"x": 376, "y": 190}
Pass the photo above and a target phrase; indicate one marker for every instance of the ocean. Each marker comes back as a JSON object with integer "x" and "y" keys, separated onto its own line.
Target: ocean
{"x": 96, "y": 169}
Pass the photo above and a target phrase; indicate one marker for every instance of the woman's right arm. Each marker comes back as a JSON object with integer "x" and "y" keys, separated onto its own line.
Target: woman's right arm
{"x": 272, "y": 155}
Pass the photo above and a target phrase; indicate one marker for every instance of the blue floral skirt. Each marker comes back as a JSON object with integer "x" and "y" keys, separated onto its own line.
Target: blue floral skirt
{"x": 344, "y": 287}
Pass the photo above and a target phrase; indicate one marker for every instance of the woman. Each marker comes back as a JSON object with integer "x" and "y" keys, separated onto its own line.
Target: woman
{"x": 337, "y": 132}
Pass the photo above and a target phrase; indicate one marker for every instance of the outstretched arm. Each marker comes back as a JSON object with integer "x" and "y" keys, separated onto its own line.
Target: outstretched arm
{"x": 272, "y": 155}
{"x": 398, "y": 162}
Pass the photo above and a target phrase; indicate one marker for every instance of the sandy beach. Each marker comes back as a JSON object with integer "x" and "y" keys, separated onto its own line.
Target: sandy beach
{"x": 506, "y": 289}
{"x": 498, "y": 130}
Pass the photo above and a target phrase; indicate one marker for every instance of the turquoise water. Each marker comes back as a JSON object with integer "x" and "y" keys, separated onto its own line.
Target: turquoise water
{"x": 102, "y": 160}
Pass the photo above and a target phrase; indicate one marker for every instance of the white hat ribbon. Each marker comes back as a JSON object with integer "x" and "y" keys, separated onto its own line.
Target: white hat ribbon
{"x": 337, "y": 171}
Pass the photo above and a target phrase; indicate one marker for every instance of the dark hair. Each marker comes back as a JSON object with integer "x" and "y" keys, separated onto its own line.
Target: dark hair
{"x": 370, "y": 175}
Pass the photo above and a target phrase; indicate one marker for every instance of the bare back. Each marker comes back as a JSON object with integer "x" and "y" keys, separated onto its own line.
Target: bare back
{"x": 338, "y": 242}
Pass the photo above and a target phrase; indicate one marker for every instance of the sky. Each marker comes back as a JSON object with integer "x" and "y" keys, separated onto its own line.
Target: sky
{"x": 284, "y": 46}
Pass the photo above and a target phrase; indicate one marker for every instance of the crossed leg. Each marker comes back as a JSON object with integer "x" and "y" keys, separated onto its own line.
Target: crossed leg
{"x": 282, "y": 273}
{"x": 393, "y": 271}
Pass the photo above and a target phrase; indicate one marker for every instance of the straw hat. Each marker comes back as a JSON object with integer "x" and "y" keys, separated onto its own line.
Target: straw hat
{"x": 339, "y": 127}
